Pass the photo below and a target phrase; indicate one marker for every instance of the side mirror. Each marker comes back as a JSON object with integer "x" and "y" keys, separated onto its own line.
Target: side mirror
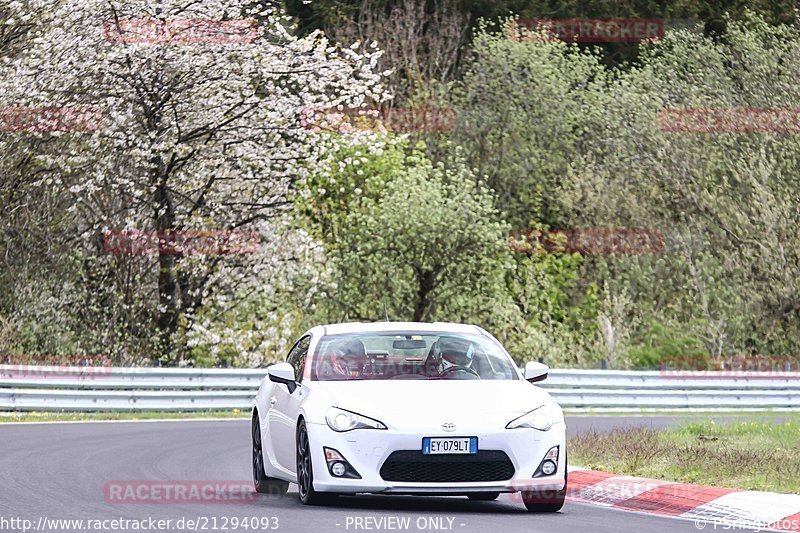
{"x": 535, "y": 371}
{"x": 283, "y": 373}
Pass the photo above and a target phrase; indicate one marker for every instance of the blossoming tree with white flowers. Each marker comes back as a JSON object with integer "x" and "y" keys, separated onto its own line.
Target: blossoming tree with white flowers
{"x": 199, "y": 107}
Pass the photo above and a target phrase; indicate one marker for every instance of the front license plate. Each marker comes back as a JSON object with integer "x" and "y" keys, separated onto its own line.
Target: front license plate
{"x": 449, "y": 445}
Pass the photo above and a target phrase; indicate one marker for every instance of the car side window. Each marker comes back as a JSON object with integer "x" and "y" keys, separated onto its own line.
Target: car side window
{"x": 297, "y": 356}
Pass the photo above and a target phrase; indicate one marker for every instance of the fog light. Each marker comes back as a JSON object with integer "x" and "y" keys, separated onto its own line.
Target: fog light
{"x": 337, "y": 469}
{"x": 338, "y": 465}
{"x": 549, "y": 464}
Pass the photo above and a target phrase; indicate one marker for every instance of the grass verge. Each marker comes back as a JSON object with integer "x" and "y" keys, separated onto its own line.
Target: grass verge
{"x": 49, "y": 416}
{"x": 748, "y": 455}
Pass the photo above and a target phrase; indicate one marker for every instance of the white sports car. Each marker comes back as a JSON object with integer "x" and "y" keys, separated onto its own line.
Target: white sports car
{"x": 407, "y": 408}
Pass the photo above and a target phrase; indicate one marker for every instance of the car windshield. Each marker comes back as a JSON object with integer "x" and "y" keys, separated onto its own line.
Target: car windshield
{"x": 410, "y": 355}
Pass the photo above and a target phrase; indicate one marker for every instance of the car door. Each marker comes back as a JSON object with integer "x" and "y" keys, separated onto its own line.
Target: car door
{"x": 284, "y": 408}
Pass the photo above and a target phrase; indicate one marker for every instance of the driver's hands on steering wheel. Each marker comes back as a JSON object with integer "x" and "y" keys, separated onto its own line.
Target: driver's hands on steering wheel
{"x": 455, "y": 368}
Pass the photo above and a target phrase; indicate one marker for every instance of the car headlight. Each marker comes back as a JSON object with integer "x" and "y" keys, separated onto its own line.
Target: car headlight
{"x": 341, "y": 420}
{"x": 541, "y": 418}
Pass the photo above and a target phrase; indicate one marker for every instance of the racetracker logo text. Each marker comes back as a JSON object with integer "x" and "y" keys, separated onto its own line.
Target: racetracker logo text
{"x": 730, "y": 367}
{"x": 180, "y": 31}
{"x": 354, "y": 119}
{"x": 185, "y": 242}
{"x": 731, "y": 120}
{"x": 587, "y": 241}
{"x": 50, "y": 119}
{"x": 55, "y": 366}
{"x": 586, "y": 30}
{"x": 178, "y": 491}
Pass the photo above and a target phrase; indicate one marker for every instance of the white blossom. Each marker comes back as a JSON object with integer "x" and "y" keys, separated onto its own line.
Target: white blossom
{"x": 193, "y": 135}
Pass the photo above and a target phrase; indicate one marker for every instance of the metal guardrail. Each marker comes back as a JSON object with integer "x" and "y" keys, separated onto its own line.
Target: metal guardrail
{"x": 173, "y": 389}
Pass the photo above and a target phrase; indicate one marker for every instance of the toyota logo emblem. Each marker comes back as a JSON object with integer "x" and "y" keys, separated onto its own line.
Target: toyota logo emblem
{"x": 448, "y": 426}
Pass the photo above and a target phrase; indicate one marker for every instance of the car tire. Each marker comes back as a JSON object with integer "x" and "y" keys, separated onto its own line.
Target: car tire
{"x": 547, "y": 501}
{"x": 262, "y": 483}
{"x": 483, "y": 496}
{"x": 305, "y": 472}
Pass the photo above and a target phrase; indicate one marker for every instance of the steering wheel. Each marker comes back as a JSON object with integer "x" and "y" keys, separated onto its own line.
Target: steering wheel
{"x": 457, "y": 368}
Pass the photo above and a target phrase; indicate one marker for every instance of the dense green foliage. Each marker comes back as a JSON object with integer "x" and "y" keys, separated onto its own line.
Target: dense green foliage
{"x": 432, "y": 231}
{"x": 564, "y": 142}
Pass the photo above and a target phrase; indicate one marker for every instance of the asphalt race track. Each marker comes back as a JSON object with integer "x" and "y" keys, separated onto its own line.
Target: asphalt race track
{"x": 59, "y": 471}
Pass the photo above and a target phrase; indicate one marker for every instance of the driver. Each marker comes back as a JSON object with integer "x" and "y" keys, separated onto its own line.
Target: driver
{"x": 348, "y": 357}
{"x": 455, "y": 355}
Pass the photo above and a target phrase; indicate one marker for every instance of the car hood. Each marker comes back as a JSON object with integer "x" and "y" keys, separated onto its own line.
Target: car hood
{"x": 413, "y": 402}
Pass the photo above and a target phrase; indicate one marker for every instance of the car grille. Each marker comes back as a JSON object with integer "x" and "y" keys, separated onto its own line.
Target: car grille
{"x": 414, "y": 466}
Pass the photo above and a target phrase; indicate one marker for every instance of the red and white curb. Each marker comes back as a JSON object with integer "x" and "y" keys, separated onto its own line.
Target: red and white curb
{"x": 737, "y": 509}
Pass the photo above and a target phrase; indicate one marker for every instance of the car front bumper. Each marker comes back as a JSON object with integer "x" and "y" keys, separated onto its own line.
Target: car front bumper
{"x": 366, "y": 450}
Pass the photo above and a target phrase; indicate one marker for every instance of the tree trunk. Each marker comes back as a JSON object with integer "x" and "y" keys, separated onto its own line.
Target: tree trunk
{"x": 167, "y": 280}
{"x": 426, "y": 282}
